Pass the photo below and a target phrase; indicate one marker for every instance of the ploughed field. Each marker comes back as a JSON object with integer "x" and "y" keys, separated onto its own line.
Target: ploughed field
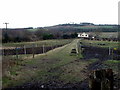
{"x": 58, "y": 68}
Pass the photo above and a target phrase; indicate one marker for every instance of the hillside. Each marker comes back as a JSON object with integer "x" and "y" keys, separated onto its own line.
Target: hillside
{"x": 83, "y": 28}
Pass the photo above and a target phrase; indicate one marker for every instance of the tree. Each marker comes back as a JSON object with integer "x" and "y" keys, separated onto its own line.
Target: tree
{"x": 5, "y": 38}
{"x": 74, "y": 35}
{"x": 65, "y": 36}
{"x": 48, "y": 36}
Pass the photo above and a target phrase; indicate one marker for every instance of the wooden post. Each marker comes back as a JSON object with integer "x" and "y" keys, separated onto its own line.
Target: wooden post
{"x": 109, "y": 50}
{"x": 3, "y": 52}
{"x": 80, "y": 49}
{"x": 51, "y": 46}
{"x": 36, "y": 45}
{"x": 33, "y": 50}
{"x": 112, "y": 54}
{"x": 101, "y": 79}
{"x": 56, "y": 44}
{"x": 25, "y": 50}
{"x": 17, "y": 52}
{"x": 43, "y": 49}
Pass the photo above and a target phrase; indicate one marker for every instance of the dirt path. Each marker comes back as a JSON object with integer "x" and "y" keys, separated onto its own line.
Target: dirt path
{"x": 58, "y": 69}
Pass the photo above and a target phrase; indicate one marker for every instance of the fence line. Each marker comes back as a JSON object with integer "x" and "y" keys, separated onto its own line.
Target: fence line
{"x": 28, "y": 49}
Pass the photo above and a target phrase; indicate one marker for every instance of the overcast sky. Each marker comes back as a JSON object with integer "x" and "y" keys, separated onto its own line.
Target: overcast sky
{"x": 40, "y": 13}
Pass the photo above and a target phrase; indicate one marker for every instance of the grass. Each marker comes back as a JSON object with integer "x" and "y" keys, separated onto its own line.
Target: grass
{"x": 6, "y": 80}
{"x": 55, "y": 63}
{"x": 97, "y": 43}
{"x": 32, "y": 30}
{"x": 113, "y": 64}
{"x": 94, "y": 27}
{"x": 38, "y": 43}
{"x": 93, "y": 60}
{"x": 20, "y": 57}
{"x": 109, "y": 35}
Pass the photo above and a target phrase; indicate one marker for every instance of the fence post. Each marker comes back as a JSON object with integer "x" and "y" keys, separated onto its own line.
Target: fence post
{"x": 3, "y": 52}
{"x": 33, "y": 51}
{"x": 109, "y": 50}
{"x": 101, "y": 80}
{"x": 25, "y": 50}
{"x": 43, "y": 48}
{"x": 112, "y": 54}
{"x": 51, "y": 46}
{"x": 17, "y": 52}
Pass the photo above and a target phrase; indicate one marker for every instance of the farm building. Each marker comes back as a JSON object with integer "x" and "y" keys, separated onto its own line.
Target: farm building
{"x": 83, "y": 35}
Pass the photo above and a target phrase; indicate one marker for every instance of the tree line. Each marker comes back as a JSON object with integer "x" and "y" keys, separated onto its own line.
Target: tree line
{"x": 39, "y": 34}
{"x": 64, "y": 31}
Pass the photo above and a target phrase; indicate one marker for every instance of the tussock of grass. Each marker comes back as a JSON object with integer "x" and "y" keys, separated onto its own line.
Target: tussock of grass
{"x": 93, "y": 60}
{"x": 112, "y": 62}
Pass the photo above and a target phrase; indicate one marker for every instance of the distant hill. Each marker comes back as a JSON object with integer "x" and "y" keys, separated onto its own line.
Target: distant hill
{"x": 61, "y": 31}
{"x": 83, "y": 28}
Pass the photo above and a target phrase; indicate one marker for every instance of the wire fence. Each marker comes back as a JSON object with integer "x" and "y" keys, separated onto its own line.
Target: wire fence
{"x": 99, "y": 52}
{"x": 29, "y": 49}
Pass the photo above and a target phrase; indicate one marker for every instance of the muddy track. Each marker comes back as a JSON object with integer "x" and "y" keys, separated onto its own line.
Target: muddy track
{"x": 55, "y": 84}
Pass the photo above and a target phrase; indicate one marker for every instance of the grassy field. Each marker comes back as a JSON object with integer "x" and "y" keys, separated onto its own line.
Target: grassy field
{"x": 100, "y": 43}
{"x": 56, "y": 65}
{"x": 93, "y": 27}
{"x": 113, "y": 64}
{"x": 38, "y": 43}
{"x": 109, "y": 35}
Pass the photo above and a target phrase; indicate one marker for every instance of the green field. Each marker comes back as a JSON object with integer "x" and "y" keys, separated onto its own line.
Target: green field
{"x": 108, "y": 34}
{"x": 94, "y": 27}
{"x": 107, "y": 44}
{"x": 39, "y": 43}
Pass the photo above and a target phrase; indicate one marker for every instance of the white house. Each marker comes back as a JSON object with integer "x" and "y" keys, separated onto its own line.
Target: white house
{"x": 83, "y": 35}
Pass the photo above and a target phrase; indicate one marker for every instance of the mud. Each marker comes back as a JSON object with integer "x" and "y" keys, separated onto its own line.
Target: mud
{"x": 88, "y": 53}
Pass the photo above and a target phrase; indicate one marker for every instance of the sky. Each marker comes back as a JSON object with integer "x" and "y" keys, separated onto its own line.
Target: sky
{"x": 41, "y": 13}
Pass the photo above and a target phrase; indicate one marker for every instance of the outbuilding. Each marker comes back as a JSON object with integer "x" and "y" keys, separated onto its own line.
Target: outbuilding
{"x": 83, "y": 35}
